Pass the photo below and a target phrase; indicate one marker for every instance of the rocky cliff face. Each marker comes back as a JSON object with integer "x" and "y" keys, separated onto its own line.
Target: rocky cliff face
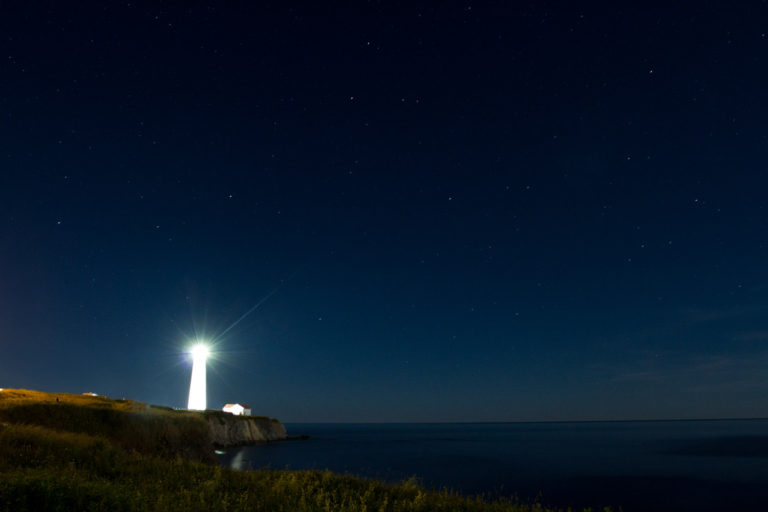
{"x": 230, "y": 430}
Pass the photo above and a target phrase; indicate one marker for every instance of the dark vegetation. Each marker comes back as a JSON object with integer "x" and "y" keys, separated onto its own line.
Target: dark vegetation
{"x": 93, "y": 453}
{"x": 133, "y": 426}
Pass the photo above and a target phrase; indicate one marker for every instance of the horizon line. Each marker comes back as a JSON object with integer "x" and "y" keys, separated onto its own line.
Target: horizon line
{"x": 756, "y": 418}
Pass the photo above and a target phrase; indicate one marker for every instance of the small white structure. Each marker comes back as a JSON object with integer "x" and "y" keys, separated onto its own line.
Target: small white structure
{"x": 237, "y": 409}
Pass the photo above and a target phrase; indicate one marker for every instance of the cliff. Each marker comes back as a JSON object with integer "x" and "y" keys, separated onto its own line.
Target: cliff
{"x": 136, "y": 426}
{"x": 230, "y": 430}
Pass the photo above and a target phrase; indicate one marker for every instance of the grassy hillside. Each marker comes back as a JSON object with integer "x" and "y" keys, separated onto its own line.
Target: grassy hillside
{"x": 93, "y": 453}
{"x": 133, "y": 426}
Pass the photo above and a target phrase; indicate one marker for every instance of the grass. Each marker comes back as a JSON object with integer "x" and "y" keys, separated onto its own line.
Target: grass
{"x": 96, "y": 454}
{"x": 133, "y": 426}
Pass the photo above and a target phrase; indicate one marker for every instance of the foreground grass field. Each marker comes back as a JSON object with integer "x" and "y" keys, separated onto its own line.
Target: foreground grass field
{"x": 93, "y": 453}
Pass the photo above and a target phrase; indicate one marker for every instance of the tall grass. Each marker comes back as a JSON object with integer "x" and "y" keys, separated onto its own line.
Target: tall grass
{"x": 134, "y": 426}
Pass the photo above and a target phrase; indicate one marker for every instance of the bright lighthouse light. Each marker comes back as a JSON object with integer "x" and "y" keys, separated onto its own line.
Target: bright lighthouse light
{"x": 197, "y": 385}
{"x": 199, "y": 351}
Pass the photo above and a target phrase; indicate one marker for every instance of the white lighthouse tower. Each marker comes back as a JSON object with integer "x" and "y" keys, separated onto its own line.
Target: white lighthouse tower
{"x": 197, "y": 385}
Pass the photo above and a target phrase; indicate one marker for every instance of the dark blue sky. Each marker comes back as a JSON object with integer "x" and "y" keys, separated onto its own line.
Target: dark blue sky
{"x": 482, "y": 211}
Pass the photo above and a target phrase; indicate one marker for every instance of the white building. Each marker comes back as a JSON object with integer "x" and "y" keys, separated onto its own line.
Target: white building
{"x": 237, "y": 409}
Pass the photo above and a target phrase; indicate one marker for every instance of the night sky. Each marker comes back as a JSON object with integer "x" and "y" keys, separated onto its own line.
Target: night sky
{"x": 492, "y": 211}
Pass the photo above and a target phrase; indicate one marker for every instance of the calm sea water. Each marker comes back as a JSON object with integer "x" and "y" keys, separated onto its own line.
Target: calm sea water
{"x": 641, "y": 466}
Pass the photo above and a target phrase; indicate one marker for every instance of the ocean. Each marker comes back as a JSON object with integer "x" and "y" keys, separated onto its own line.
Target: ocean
{"x": 650, "y": 466}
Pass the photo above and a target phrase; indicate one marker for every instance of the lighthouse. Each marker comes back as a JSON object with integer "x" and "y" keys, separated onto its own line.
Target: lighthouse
{"x": 197, "y": 385}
